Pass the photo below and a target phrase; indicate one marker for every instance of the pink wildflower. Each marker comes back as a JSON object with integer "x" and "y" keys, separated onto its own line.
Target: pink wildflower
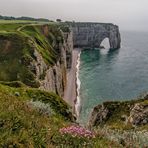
{"x": 77, "y": 131}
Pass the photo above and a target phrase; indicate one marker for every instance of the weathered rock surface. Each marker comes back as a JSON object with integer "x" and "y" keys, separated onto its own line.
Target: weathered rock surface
{"x": 139, "y": 114}
{"x": 69, "y": 47}
{"x": 92, "y": 34}
{"x": 80, "y": 35}
{"x": 98, "y": 115}
{"x": 54, "y": 78}
{"x": 134, "y": 112}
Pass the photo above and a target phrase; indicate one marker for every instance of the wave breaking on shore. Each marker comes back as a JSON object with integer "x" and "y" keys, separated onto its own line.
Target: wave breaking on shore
{"x": 78, "y": 86}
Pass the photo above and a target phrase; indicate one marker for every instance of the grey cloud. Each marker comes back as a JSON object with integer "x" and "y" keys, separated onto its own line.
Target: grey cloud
{"x": 128, "y": 14}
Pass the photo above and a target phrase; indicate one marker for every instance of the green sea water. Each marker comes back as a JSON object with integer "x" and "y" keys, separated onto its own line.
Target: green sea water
{"x": 114, "y": 75}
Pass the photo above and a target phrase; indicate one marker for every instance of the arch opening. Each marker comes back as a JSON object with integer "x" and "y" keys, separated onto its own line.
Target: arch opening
{"x": 105, "y": 43}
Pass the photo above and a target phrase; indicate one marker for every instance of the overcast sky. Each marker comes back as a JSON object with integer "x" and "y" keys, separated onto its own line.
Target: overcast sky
{"x": 128, "y": 14}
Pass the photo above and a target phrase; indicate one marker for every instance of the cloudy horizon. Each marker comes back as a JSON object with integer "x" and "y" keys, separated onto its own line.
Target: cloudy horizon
{"x": 127, "y": 14}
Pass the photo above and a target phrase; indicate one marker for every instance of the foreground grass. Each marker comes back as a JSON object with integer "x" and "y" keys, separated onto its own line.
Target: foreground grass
{"x": 24, "y": 125}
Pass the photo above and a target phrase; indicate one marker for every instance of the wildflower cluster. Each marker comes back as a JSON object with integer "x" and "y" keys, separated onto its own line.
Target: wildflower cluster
{"x": 77, "y": 131}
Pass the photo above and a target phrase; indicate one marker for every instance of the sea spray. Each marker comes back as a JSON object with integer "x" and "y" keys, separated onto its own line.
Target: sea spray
{"x": 78, "y": 85}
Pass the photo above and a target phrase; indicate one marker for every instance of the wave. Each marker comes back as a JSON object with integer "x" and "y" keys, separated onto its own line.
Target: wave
{"x": 78, "y": 86}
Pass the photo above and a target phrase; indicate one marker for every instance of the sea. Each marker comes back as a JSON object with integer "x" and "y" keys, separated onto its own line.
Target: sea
{"x": 118, "y": 75}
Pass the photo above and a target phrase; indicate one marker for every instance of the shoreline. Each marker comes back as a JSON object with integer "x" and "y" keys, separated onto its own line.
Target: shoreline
{"x": 71, "y": 93}
{"x": 78, "y": 85}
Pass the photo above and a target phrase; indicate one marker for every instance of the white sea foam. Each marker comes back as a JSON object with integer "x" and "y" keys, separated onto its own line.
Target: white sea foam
{"x": 78, "y": 85}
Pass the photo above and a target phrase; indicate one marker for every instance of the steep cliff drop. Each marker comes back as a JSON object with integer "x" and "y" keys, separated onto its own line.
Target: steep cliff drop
{"x": 37, "y": 55}
{"x": 70, "y": 93}
{"x": 42, "y": 54}
{"x": 90, "y": 35}
{"x": 87, "y": 35}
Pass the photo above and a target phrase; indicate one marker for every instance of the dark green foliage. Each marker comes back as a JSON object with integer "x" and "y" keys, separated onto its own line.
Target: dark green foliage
{"x": 26, "y": 59}
{"x": 23, "y": 18}
{"x": 16, "y": 84}
{"x": 58, "y": 20}
{"x": 28, "y": 78}
{"x": 64, "y": 27}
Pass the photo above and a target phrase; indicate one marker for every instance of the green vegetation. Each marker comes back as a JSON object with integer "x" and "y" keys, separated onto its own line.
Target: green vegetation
{"x": 23, "y": 18}
{"x": 18, "y": 43}
{"x": 4, "y": 26}
{"x": 23, "y": 125}
{"x": 30, "y": 117}
{"x": 64, "y": 27}
{"x": 13, "y": 47}
{"x": 42, "y": 43}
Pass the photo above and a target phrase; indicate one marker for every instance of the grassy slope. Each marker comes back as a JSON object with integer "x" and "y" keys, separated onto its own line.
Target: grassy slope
{"x": 24, "y": 126}
{"x": 17, "y": 44}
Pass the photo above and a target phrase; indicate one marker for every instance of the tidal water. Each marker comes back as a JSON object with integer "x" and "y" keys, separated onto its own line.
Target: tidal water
{"x": 114, "y": 75}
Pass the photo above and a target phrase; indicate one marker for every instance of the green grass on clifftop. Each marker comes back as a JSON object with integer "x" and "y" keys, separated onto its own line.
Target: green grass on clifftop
{"x": 19, "y": 41}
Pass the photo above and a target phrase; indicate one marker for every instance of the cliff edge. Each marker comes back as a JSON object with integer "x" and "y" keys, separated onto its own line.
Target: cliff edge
{"x": 37, "y": 55}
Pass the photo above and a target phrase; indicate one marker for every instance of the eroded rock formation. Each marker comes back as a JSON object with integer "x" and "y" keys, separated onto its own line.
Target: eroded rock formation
{"x": 134, "y": 113}
{"x": 54, "y": 78}
{"x": 98, "y": 115}
{"x": 139, "y": 114}
{"x": 91, "y": 35}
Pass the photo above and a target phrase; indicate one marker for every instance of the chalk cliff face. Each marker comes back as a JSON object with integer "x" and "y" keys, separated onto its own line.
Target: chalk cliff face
{"x": 92, "y": 34}
{"x": 39, "y": 60}
{"x": 39, "y": 55}
{"x": 50, "y": 78}
{"x": 54, "y": 78}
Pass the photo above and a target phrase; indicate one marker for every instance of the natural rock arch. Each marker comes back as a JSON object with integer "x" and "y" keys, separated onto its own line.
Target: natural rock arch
{"x": 105, "y": 43}
{"x": 90, "y": 35}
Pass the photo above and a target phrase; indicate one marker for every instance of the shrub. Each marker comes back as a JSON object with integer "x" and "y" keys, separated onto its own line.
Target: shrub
{"x": 41, "y": 107}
